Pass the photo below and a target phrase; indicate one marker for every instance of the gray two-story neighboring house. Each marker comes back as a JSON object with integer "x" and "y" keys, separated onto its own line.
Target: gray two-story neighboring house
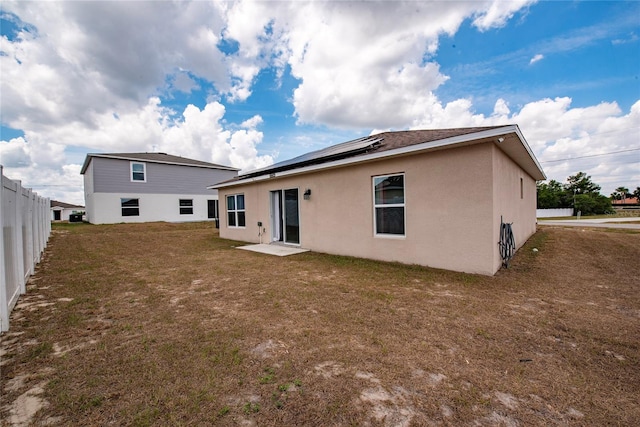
{"x": 145, "y": 187}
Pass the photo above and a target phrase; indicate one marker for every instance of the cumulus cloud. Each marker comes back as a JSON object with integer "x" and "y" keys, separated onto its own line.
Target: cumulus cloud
{"x": 360, "y": 64}
{"x": 83, "y": 76}
{"x": 196, "y": 133}
{"x": 84, "y": 58}
{"x": 15, "y": 153}
{"x": 252, "y": 123}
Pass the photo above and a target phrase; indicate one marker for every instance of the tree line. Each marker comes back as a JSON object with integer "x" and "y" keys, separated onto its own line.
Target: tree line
{"x": 580, "y": 193}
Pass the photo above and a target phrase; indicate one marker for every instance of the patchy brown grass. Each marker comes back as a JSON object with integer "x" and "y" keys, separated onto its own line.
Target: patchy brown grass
{"x": 167, "y": 324}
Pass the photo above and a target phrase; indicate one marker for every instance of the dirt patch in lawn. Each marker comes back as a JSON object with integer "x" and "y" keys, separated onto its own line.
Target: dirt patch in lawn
{"x": 166, "y": 324}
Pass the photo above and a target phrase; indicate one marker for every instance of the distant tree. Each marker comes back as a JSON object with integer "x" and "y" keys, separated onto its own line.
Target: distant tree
{"x": 593, "y": 204}
{"x": 620, "y": 193}
{"x": 585, "y": 195}
{"x": 636, "y": 194}
{"x": 580, "y": 193}
{"x": 581, "y": 183}
{"x": 551, "y": 195}
{"x": 585, "y": 204}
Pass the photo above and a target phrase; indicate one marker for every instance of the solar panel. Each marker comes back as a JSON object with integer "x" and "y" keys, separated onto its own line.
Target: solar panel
{"x": 333, "y": 151}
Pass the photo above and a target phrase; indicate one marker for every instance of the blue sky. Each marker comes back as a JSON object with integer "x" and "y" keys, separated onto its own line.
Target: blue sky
{"x": 251, "y": 83}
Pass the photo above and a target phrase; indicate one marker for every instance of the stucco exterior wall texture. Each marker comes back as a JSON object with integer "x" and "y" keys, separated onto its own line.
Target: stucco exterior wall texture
{"x": 152, "y": 207}
{"x": 453, "y": 202}
{"x": 516, "y": 205}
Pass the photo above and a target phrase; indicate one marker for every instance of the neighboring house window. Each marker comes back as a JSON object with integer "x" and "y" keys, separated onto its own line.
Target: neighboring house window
{"x": 212, "y": 209}
{"x": 130, "y": 207}
{"x": 235, "y": 210}
{"x": 388, "y": 205}
{"x": 138, "y": 172}
{"x": 186, "y": 206}
{"x": 521, "y": 188}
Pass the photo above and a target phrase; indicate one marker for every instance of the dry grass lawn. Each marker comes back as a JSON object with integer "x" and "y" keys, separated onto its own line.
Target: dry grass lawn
{"x": 167, "y": 324}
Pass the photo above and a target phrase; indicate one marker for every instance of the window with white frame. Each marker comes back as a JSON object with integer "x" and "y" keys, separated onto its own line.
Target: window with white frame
{"x": 389, "y": 205}
{"x": 130, "y": 207}
{"x": 138, "y": 172}
{"x": 235, "y": 210}
{"x": 186, "y": 206}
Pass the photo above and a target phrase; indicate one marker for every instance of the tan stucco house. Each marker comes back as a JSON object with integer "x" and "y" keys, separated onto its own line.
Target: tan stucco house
{"x": 430, "y": 197}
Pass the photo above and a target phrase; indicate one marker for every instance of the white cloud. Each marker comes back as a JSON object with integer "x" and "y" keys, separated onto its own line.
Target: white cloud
{"x": 360, "y": 63}
{"x": 252, "y": 123}
{"x": 536, "y": 58}
{"x": 90, "y": 57}
{"x": 60, "y": 182}
{"x": 15, "y": 153}
{"x": 498, "y": 13}
{"x": 198, "y": 134}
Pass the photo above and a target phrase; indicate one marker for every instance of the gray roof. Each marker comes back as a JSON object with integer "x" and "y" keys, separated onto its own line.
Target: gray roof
{"x": 57, "y": 204}
{"x": 387, "y": 144}
{"x": 155, "y": 158}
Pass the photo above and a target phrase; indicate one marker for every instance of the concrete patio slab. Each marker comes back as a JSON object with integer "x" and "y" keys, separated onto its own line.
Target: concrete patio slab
{"x": 277, "y": 250}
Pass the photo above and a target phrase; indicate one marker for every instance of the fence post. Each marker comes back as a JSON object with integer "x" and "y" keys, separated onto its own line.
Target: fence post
{"x": 27, "y": 237}
{"x": 18, "y": 244}
{"x": 4, "y": 304}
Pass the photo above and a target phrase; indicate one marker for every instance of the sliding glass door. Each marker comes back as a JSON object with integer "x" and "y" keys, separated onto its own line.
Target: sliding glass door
{"x": 285, "y": 216}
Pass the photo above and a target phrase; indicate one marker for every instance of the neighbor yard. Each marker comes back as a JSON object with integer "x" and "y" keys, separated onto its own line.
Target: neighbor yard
{"x": 167, "y": 324}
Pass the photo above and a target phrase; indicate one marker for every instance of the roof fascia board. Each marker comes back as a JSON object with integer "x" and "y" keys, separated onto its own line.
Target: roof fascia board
{"x": 425, "y": 146}
{"x": 526, "y": 146}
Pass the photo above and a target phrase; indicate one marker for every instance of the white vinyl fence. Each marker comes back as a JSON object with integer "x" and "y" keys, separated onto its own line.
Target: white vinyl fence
{"x": 26, "y": 227}
{"x": 549, "y": 213}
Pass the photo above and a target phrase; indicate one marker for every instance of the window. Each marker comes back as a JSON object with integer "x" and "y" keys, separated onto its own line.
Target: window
{"x": 388, "y": 205}
{"x": 521, "y": 189}
{"x": 186, "y": 206}
{"x": 138, "y": 172}
{"x": 130, "y": 207}
{"x": 235, "y": 210}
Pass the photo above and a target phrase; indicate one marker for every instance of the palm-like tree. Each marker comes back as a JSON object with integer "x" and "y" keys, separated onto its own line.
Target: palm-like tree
{"x": 620, "y": 193}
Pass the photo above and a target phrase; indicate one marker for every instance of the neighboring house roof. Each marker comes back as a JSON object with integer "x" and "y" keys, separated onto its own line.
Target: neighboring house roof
{"x": 154, "y": 158}
{"x": 627, "y": 201}
{"x": 387, "y": 144}
{"x": 57, "y": 204}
